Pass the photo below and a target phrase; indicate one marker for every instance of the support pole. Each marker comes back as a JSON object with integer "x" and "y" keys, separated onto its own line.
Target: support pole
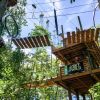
{"x": 56, "y": 21}
{"x": 77, "y": 95}
{"x": 83, "y": 95}
{"x": 69, "y": 94}
{"x": 79, "y": 20}
{"x": 90, "y": 60}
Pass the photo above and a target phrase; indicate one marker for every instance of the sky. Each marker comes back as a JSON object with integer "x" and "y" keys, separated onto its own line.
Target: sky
{"x": 69, "y": 22}
{"x": 65, "y": 14}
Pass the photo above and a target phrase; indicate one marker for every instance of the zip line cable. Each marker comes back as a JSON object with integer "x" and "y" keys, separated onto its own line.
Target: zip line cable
{"x": 47, "y": 14}
{"x": 68, "y": 14}
{"x": 42, "y": 3}
{"x": 66, "y": 8}
{"x": 94, "y": 15}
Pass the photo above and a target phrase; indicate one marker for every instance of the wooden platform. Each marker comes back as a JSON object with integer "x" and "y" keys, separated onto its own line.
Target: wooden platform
{"x": 81, "y": 36}
{"x": 32, "y": 42}
{"x": 66, "y": 54}
{"x": 40, "y": 84}
{"x": 80, "y": 82}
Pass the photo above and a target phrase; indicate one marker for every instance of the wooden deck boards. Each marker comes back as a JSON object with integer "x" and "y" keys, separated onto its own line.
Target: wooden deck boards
{"x": 32, "y": 42}
{"x": 78, "y": 81}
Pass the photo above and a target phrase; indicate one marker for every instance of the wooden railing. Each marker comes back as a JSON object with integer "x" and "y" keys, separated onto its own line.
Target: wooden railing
{"x": 81, "y": 36}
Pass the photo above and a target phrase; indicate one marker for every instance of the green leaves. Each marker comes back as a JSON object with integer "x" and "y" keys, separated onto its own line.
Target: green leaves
{"x": 95, "y": 91}
{"x": 38, "y": 31}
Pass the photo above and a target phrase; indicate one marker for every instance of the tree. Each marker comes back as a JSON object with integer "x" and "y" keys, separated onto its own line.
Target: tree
{"x": 18, "y": 13}
{"x": 95, "y": 91}
{"x": 38, "y": 31}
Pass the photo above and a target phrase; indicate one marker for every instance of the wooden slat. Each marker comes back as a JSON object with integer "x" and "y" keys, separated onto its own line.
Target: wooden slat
{"x": 78, "y": 37}
{"x": 92, "y": 34}
{"x": 64, "y": 42}
{"x": 47, "y": 39}
{"x": 69, "y": 38}
{"x": 24, "y": 42}
{"x": 27, "y": 42}
{"x": 43, "y": 40}
{"x": 87, "y": 35}
{"x": 73, "y": 37}
{"x": 97, "y": 34}
{"x": 31, "y": 41}
{"x": 35, "y": 41}
{"x": 16, "y": 43}
{"x": 82, "y": 36}
{"x": 39, "y": 41}
{"x": 20, "y": 43}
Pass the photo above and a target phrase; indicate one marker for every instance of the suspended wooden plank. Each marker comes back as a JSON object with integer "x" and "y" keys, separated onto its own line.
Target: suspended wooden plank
{"x": 35, "y": 41}
{"x": 47, "y": 40}
{"x": 20, "y": 43}
{"x": 24, "y": 42}
{"x": 31, "y": 42}
{"x": 27, "y": 43}
{"x": 43, "y": 40}
{"x": 39, "y": 40}
{"x": 65, "y": 42}
{"x": 16, "y": 43}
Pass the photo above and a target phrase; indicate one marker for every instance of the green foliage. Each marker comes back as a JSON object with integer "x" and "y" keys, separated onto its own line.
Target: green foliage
{"x": 38, "y": 31}
{"x": 18, "y": 69}
{"x": 95, "y": 91}
{"x": 18, "y": 12}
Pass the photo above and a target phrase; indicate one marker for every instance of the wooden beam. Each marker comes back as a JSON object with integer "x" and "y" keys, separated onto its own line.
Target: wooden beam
{"x": 82, "y": 82}
{"x": 95, "y": 77}
{"x": 77, "y": 75}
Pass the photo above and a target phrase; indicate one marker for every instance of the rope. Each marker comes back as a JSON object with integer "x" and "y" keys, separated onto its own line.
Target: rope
{"x": 94, "y": 16}
{"x": 16, "y": 26}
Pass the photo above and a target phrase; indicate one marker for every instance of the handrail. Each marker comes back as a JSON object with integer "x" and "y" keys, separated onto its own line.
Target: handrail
{"x": 81, "y": 36}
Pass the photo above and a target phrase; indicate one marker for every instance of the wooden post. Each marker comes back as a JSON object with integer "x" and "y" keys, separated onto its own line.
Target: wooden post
{"x": 77, "y": 95}
{"x": 90, "y": 60}
{"x": 83, "y": 95}
{"x": 69, "y": 94}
